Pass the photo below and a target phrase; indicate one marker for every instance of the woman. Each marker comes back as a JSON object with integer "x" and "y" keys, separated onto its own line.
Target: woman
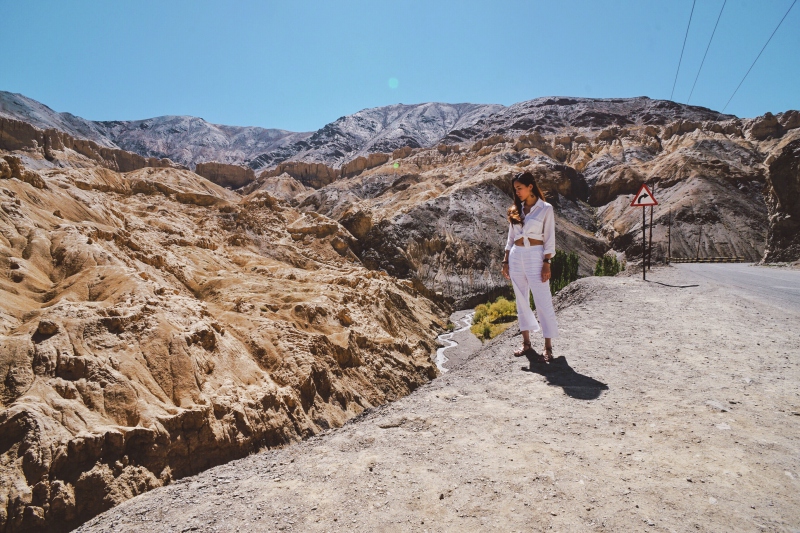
{"x": 531, "y": 243}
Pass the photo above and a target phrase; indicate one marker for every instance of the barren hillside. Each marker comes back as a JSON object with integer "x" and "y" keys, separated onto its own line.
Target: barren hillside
{"x": 154, "y": 324}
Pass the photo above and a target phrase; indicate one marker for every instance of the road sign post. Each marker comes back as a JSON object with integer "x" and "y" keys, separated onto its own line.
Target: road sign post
{"x": 643, "y": 199}
{"x": 669, "y": 238}
{"x": 650, "y": 239}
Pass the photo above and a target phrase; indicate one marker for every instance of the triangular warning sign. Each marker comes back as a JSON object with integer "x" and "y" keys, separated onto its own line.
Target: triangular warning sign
{"x": 643, "y": 198}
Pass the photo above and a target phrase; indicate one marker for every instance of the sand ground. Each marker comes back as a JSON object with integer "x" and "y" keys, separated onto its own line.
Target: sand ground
{"x": 668, "y": 409}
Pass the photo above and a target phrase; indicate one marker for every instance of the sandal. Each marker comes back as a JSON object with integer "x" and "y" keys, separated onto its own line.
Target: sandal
{"x": 547, "y": 354}
{"x": 525, "y": 350}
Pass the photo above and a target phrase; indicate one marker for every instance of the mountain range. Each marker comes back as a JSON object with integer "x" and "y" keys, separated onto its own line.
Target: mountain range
{"x": 191, "y": 140}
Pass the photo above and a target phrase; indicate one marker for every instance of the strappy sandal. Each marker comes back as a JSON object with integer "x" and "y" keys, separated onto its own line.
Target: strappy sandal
{"x": 547, "y": 354}
{"x": 525, "y": 350}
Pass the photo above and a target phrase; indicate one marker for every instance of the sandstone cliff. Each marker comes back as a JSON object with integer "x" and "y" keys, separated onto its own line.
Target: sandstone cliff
{"x": 230, "y": 176}
{"x": 783, "y": 202}
{"x": 16, "y": 135}
{"x": 316, "y": 175}
{"x": 153, "y": 324}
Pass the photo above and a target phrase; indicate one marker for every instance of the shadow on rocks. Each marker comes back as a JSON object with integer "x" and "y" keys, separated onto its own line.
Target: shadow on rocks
{"x": 559, "y": 373}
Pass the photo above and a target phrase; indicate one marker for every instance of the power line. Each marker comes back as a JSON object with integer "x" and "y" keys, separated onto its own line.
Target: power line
{"x": 759, "y": 55}
{"x": 707, "y": 47}
{"x": 682, "y": 49}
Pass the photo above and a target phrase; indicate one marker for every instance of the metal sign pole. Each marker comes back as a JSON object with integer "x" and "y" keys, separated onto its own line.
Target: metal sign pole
{"x": 669, "y": 238}
{"x": 650, "y": 244}
{"x": 642, "y": 199}
{"x": 644, "y": 244}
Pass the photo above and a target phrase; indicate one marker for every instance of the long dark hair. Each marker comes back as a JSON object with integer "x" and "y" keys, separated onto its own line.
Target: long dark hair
{"x": 515, "y": 211}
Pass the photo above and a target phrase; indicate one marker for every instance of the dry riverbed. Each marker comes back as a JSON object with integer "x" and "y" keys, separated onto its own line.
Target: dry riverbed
{"x": 667, "y": 409}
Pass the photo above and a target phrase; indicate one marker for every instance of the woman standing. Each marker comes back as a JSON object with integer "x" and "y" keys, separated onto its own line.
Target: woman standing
{"x": 531, "y": 243}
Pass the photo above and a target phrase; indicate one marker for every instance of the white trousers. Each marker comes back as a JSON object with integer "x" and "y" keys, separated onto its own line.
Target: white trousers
{"x": 525, "y": 269}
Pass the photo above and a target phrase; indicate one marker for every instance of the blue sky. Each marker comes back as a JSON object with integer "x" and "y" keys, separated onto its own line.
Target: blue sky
{"x": 299, "y": 65}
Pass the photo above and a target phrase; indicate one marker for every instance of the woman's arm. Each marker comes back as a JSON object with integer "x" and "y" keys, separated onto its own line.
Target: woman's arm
{"x": 509, "y": 244}
{"x": 549, "y": 232}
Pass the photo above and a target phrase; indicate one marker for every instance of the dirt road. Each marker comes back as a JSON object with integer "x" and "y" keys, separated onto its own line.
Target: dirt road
{"x": 668, "y": 409}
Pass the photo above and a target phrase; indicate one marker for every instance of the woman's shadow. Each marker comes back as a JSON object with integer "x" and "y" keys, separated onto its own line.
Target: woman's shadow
{"x": 559, "y": 373}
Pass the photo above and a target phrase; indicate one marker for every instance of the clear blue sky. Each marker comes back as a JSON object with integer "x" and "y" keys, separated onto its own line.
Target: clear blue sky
{"x": 298, "y": 65}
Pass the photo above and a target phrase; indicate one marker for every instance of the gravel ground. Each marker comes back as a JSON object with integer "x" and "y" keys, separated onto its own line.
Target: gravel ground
{"x": 667, "y": 409}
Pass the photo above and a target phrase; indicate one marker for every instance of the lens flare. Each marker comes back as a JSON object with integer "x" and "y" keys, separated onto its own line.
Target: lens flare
{"x": 393, "y": 83}
{"x": 396, "y": 165}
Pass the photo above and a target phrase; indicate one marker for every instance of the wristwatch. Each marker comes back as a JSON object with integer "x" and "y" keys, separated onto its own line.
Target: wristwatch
{"x": 546, "y": 260}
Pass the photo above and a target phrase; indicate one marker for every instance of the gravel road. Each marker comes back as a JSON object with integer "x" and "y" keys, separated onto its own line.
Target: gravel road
{"x": 667, "y": 409}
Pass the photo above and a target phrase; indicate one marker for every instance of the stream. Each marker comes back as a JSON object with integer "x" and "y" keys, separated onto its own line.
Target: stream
{"x": 446, "y": 338}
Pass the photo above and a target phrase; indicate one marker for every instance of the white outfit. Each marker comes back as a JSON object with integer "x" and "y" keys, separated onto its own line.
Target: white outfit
{"x": 525, "y": 269}
{"x": 538, "y": 224}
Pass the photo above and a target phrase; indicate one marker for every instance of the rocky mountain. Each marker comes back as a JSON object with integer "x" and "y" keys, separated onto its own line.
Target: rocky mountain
{"x": 18, "y": 107}
{"x": 153, "y": 324}
{"x": 192, "y": 140}
{"x": 380, "y": 129}
{"x": 553, "y": 114}
{"x": 184, "y": 140}
{"x": 783, "y": 201}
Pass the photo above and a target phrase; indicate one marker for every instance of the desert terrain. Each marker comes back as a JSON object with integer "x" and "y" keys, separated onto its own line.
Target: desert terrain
{"x": 672, "y": 406}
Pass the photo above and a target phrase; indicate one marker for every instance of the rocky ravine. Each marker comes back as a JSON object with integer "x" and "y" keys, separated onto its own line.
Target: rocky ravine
{"x": 668, "y": 409}
{"x": 154, "y": 324}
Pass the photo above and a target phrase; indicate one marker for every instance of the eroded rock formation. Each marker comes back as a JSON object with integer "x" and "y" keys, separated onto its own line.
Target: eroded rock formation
{"x": 16, "y": 135}
{"x": 783, "y": 202}
{"x": 154, "y": 324}
{"x": 438, "y": 216}
{"x": 230, "y": 176}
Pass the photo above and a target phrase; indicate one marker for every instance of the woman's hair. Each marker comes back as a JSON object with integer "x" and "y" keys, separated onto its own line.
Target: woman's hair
{"x": 515, "y": 211}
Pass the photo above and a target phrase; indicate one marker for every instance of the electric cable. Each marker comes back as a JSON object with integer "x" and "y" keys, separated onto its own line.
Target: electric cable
{"x": 682, "y": 49}
{"x": 759, "y": 55}
{"x": 707, "y": 47}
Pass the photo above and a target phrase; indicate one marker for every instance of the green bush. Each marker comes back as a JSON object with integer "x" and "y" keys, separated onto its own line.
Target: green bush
{"x": 480, "y": 313}
{"x": 492, "y": 319}
{"x": 563, "y": 270}
{"x": 502, "y": 309}
{"x": 608, "y": 265}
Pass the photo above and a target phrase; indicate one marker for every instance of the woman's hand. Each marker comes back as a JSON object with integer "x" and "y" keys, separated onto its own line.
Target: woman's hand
{"x": 505, "y": 271}
{"x": 545, "y": 272}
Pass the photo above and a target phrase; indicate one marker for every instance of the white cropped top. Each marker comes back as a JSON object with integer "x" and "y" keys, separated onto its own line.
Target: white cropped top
{"x": 538, "y": 224}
